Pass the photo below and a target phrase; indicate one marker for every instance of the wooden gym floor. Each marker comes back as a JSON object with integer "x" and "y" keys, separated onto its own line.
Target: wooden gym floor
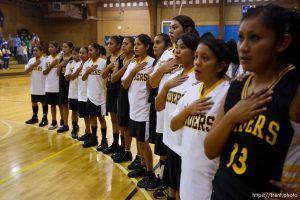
{"x": 39, "y": 164}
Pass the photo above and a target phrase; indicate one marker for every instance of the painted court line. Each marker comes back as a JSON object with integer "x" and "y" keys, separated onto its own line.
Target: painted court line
{"x": 8, "y": 131}
{"x": 37, "y": 163}
{"x": 144, "y": 192}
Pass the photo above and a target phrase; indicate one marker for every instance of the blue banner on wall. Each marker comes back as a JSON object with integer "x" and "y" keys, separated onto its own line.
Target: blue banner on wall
{"x": 230, "y": 31}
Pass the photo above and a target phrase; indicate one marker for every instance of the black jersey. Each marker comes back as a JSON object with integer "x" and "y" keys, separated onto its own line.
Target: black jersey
{"x": 109, "y": 84}
{"x": 123, "y": 103}
{"x": 256, "y": 149}
{"x": 62, "y": 80}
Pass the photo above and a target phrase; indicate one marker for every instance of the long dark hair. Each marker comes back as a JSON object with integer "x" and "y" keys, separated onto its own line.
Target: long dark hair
{"x": 281, "y": 21}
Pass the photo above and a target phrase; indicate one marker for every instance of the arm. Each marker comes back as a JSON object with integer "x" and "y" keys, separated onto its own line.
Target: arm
{"x": 295, "y": 107}
{"x": 156, "y": 77}
{"x": 107, "y": 70}
{"x": 77, "y": 72}
{"x": 160, "y": 100}
{"x": 31, "y": 66}
{"x": 128, "y": 80}
{"x": 87, "y": 72}
{"x": 117, "y": 74}
{"x": 196, "y": 108}
{"x": 244, "y": 110}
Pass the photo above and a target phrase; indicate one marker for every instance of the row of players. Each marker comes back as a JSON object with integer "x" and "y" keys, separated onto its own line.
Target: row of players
{"x": 216, "y": 138}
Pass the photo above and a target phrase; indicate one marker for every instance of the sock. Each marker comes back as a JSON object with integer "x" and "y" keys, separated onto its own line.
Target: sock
{"x": 116, "y": 138}
{"x": 87, "y": 132}
{"x": 94, "y": 131}
{"x": 103, "y": 132}
{"x": 122, "y": 141}
{"x": 61, "y": 122}
{"x": 45, "y": 111}
{"x": 54, "y": 122}
{"x": 74, "y": 124}
{"x": 161, "y": 173}
{"x": 35, "y": 110}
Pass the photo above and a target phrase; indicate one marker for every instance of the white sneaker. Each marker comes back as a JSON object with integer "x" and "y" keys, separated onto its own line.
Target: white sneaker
{"x": 52, "y": 126}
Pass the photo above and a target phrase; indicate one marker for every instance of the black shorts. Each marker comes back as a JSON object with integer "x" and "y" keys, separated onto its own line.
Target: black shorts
{"x": 94, "y": 110}
{"x": 152, "y": 124}
{"x": 160, "y": 148}
{"x": 82, "y": 109}
{"x": 63, "y": 91}
{"x": 112, "y": 100}
{"x": 139, "y": 130}
{"x": 52, "y": 98}
{"x": 172, "y": 170}
{"x": 73, "y": 104}
{"x": 38, "y": 98}
{"x": 123, "y": 121}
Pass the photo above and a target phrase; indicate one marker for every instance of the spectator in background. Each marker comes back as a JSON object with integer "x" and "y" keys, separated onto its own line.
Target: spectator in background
{"x": 28, "y": 46}
{"x": 5, "y": 56}
{"x": 10, "y": 44}
{"x": 25, "y": 53}
{"x": 17, "y": 43}
{"x": 20, "y": 51}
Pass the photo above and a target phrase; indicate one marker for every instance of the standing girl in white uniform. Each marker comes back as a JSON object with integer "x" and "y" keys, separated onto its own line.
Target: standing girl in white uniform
{"x": 82, "y": 90}
{"x": 135, "y": 78}
{"x": 95, "y": 95}
{"x": 52, "y": 81}
{"x": 195, "y": 115}
{"x": 36, "y": 66}
{"x": 168, "y": 98}
{"x": 162, "y": 71}
{"x": 73, "y": 90}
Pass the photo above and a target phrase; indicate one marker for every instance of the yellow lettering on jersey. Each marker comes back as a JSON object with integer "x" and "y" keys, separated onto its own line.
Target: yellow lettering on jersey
{"x": 273, "y": 128}
{"x": 259, "y": 124}
{"x": 173, "y": 97}
{"x": 241, "y": 167}
{"x": 249, "y": 126}
{"x": 38, "y": 68}
{"x": 140, "y": 77}
{"x": 200, "y": 122}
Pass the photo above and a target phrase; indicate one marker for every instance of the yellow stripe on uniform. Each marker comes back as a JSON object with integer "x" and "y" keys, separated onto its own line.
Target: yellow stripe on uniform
{"x": 291, "y": 168}
{"x": 290, "y": 179}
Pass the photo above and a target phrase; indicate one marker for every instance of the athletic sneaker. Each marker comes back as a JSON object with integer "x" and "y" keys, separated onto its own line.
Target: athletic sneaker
{"x": 33, "y": 120}
{"x": 90, "y": 142}
{"x": 74, "y": 132}
{"x": 151, "y": 185}
{"x": 85, "y": 137}
{"x": 136, "y": 163}
{"x": 111, "y": 149}
{"x": 148, "y": 178}
{"x": 137, "y": 172}
{"x": 63, "y": 128}
{"x": 53, "y": 125}
{"x": 118, "y": 153}
{"x": 126, "y": 156}
{"x": 161, "y": 192}
{"x": 44, "y": 122}
{"x": 103, "y": 145}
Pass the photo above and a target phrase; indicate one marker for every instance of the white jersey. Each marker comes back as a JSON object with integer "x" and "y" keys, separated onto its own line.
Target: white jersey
{"x": 95, "y": 82}
{"x": 37, "y": 83}
{"x": 197, "y": 171}
{"x": 82, "y": 85}
{"x": 52, "y": 80}
{"x": 291, "y": 169}
{"x": 168, "y": 54}
{"x": 73, "y": 88}
{"x": 138, "y": 93}
{"x": 170, "y": 138}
